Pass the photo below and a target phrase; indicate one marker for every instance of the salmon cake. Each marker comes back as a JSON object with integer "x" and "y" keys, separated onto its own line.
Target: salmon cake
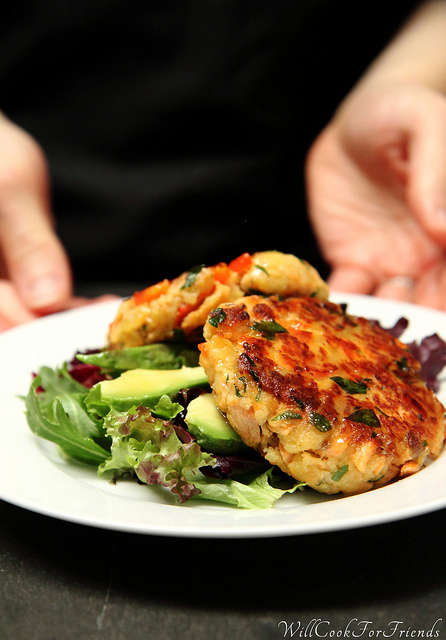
{"x": 179, "y": 307}
{"x": 331, "y": 399}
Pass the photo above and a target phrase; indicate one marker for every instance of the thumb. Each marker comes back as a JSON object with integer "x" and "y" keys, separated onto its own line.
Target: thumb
{"x": 31, "y": 253}
{"x": 35, "y": 260}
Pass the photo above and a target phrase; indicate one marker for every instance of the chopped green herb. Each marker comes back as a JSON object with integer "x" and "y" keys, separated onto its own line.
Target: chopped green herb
{"x": 254, "y": 376}
{"x": 216, "y": 316}
{"x": 288, "y": 415}
{"x": 251, "y": 362}
{"x": 320, "y": 422}
{"x": 259, "y": 266}
{"x": 339, "y": 473}
{"x": 191, "y": 275}
{"x": 402, "y": 364}
{"x": 299, "y": 402}
{"x": 365, "y": 416}
{"x": 350, "y": 386}
{"x": 425, "y": 443}
{"x": 252, "y": 366}
{"x": 377, "y": 479}
{"x": 268, "y": 328}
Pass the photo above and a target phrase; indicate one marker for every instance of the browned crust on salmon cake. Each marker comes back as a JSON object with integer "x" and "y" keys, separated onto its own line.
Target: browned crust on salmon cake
{"x": 331, "y": 399}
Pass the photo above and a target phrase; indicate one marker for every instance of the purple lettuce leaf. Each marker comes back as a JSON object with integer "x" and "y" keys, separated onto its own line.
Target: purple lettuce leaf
{"x": 431, "y": 354}
{"x": 398, "y": 328}
{"x": 227, "y": 466}
{"x": 86, "y": 374}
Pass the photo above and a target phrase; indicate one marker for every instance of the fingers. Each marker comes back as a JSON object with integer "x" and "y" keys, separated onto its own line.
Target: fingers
{"x": 13, "y": 312}
{"x": 356, "y": 279}
{"x": 352, "y": 279}
{"x": 427, "y": 289}
{"x": 400, "y": 288}
{"x": 36, "y": 262}
{"x": 75, "y": 302}
{"x": 427, "y": 177}
{"x": 430, "y": 288}
{"x": 12, "y": 309}
{"x": 34, "y": 258}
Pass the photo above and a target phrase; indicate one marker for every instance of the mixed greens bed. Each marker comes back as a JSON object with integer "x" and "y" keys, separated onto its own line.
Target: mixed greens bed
{"x": 147, "y": 437}
{"x": 132, "y": 413}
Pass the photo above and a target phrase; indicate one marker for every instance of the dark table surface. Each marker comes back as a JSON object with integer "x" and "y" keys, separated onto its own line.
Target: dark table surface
{"x": 63, "y": 581}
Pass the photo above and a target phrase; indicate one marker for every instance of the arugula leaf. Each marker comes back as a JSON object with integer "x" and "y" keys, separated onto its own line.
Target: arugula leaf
{"x": 65, "y": 421}
{"x": 57, "y": 382}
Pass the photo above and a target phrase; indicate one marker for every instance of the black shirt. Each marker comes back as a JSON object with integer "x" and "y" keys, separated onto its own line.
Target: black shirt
{"x": 176, "y": 130}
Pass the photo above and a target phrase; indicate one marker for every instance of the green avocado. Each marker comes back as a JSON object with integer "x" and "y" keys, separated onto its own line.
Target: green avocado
{"x": 211, "y": 429}
{"x": 142, "y": 387}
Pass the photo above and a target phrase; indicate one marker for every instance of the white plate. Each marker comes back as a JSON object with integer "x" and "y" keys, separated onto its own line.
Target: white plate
{"x": 33, "y": 476}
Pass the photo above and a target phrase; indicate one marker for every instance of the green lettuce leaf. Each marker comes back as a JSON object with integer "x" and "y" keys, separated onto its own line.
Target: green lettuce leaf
{"x": 137, "y": 443}
{"x": 167, "y": 409}
{"x": 57, "y": 414}
{"x": 151, "y": 356}
{"x": 149, "y": 448}
{"x": 259, "y": 493}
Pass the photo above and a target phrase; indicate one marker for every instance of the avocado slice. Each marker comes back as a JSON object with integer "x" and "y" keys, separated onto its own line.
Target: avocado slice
{"x": 211, "y": 429}
{"x": 142, "y": 387}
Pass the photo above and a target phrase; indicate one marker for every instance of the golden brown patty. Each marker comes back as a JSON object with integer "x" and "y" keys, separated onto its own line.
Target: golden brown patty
{"x": 183, "y": 304}
{"x": 331, "y": 399}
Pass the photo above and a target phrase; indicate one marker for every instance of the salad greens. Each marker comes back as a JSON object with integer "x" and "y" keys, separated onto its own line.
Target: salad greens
{"x": 152, "y": 356}
{"x": 55, "y": 411}
{"x": 152, "y": 444}
{"x": 148, "y": 438}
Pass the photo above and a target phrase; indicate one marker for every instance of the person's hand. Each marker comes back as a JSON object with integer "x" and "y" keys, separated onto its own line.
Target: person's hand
{"x": 35, "y": 275}
{"x": 376, "y": 184}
